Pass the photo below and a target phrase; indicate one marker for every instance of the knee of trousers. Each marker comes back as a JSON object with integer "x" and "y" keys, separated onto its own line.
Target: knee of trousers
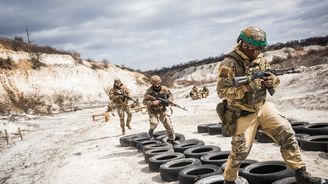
{"x": 285, "y": 137}
{"x": 239, "y": 150}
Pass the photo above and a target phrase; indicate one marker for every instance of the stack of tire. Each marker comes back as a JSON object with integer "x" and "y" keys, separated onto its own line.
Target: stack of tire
{"x": 211, "y": 129}
{"x": 311, "y": 137}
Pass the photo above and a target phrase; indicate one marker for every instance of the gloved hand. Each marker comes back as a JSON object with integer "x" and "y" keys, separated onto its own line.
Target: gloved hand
{"x": 270, "y": 80}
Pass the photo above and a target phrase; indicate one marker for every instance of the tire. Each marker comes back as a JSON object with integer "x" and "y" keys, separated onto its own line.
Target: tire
{"x": 298, "y": 126}
{"x": 141, "y": 144}
{"x": 214, "y": 129}
{"x": 199, "y": 151}
{"x": 315, "y": 143}
{"x": 178, "y": 137}
{"x": 243, "y": 164}
{"x": 156, "y": 146}
{"x": 218, "y": 179}
{"x": 299, "y": 137}
{"x": 150, "y": 153}
{"x": 160, "y": 137}
{"x": 136, "y": 140}
{"x": 262, "y": 137}
{"x": 156, "y": 161}
{"x": 215, "y": 158}
{"x": 125, "y": 141}
{"x": 266, "y": 172}
{"x": 190, "y": 143}
{"x": 158, "y": 133}
{"x": 203, "y": 127}
{"x": 289, "y": 180}
{"x": 170, "y": 170}
{"x": 316, "y": 129}
{"x": 195, "y": 173}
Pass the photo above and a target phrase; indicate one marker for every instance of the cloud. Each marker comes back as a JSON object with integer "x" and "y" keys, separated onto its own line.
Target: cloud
{"x": 146, "y": 34}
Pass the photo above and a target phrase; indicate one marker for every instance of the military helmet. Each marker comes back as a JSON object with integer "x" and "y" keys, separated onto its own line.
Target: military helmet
{"x": 117, "y": 81}
{"x": 253, "y": 36}
{"x": 155, "y": 79}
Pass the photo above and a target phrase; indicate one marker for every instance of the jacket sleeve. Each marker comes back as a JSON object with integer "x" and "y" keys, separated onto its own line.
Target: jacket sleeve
{"x": 147, "y": 101}
{"x": 111, "y": 94}
{"x": 225, "y": 87}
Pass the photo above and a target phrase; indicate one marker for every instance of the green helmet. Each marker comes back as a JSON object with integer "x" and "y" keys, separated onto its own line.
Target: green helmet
{"x": 253, "y": 36}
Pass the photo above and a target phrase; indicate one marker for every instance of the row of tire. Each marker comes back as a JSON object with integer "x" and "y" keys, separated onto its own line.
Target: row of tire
{"x": 310, "y": 137}
{"x": 191, "y": 161}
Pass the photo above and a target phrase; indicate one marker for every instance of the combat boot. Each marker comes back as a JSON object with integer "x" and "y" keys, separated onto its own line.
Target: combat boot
{"x": 150, "y": 134}
{"x": 229, "y": 182}
{"x": 303, "y": 177}
{"x": 128, "y": 125}
{"x": 123, "y": 131}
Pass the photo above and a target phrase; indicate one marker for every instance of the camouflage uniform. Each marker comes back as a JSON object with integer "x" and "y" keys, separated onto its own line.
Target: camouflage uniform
{"x": 194, "y": 94}
{"x": 205, "y": 92}
{"x": 121, "y": 103}
{"x": 250, "y": 99}
{"x": 159, "y": 112}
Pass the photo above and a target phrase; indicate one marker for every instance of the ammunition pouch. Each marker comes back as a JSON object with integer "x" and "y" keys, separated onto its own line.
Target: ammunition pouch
{"x": 229, "y": 116}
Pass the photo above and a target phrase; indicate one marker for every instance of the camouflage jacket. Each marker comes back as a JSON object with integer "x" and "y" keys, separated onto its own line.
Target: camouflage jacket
{"x": 236, "y": 64}
{"x": 163, "y": 93}
{"x": 115, "y": 94}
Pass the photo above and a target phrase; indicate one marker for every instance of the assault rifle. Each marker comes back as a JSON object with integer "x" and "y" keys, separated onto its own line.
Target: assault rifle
{"x": 126, "y": 96}
{"x": 238, "y": 81}
{"x": 166, "y": 102}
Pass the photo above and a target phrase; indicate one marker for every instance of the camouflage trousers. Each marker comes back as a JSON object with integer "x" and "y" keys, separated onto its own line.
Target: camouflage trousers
{"x": 275, "y": 126}
{"x": 163, "y": 117}
{"x": 121, "y": 113}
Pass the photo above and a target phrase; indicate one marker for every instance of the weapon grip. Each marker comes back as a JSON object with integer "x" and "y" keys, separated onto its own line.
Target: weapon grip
{"x": 271, "y": 91}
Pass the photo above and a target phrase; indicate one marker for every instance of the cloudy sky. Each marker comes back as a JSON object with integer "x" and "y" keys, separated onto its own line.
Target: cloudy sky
{"x": 149, "y": 34}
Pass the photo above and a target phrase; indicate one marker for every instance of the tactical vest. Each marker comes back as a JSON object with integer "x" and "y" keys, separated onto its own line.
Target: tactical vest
{"x": 163, "y": 93}
{"x": 120, "y": 100}
{"x": 251, "y": 99}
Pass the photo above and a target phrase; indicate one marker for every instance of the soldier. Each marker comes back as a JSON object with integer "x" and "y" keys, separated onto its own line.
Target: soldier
{"x": 204, "y": 92}
{"x": 157, "y": 110}
{"x": 118, "y": 94}
{"x": 244, "y": 108}
{"x": 194, "y": 94}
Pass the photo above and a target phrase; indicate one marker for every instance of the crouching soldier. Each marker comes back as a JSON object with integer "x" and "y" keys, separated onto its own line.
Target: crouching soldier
{"x": 157, "y": 110}
{"x": 204, "y": 92}
{"x": 118, "y": 94}
{"x": 194, "y": 93}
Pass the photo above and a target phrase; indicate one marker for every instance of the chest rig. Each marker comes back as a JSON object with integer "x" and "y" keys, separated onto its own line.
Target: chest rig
{"x": 251, "y": 99}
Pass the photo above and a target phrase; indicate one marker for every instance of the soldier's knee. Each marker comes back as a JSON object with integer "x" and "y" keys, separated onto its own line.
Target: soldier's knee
{"x": 285, "y": 137}
{"x": 239, "y": 149}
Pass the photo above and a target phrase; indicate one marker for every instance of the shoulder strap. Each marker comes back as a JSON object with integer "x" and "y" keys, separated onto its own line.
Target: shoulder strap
{"x": 233, "y": 55}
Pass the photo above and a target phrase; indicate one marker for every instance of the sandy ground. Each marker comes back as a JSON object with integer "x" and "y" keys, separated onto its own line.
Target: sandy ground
{"x": 70, "y": 148}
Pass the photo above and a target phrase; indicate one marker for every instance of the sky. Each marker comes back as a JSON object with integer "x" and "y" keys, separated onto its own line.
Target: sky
{"x": 151, "y": 34}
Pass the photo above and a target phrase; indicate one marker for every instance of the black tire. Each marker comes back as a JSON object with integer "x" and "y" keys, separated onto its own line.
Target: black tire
{"x": 315, "y": 143}
{"x": 262, "y": 137}
{"x": 159, "y": 133}
{"x": 214, "y": 129}
{"x": 289, "y": 180}
{"x": 141, "y": 144}
{"x": 317, "y": 129}
{"x": 136, "y": 140}
{"x": 298, "y": 126}
{"x": 203, "y": 127}
{"x": 194, "y": 173}
{"x": 266, "y": 172}
{"x": 215, "y": 158}
{"x": 150, "y": 153}
{"x": 299, "y": 137}
{"x": 199, "y": 151}
{"x": 178, "y": 137}
{"x": 160, "y": 137}
{"x": 243, "y": 164}
{"x": 156, "y": 146}
{"x": 126, "y": 140}
{"x": 169, "y": 171}
{"x": 219, "y": 179}
{"x": 156, "y": 161}
{"x": 190, "y": 143}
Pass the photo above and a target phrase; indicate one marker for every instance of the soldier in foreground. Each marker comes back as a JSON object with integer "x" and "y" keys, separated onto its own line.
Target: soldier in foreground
{"x": 157, "y": 110}
{"x": 244, "y": 107}
{"x": 119, "y": 94}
